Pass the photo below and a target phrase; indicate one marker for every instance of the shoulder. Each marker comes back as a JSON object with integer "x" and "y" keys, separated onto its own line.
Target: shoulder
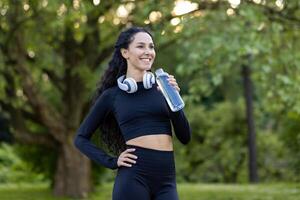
{"x": 108, "y": 94}
{"x": 111, "y": 91}
{"x": 105, "y": 99}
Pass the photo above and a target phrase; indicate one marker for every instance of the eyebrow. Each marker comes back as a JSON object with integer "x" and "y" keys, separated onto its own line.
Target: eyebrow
{"x": 143, "y": 43}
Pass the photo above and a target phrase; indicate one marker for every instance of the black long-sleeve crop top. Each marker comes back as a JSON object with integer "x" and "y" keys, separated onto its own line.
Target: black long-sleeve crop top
{"x": 144, "y": 112}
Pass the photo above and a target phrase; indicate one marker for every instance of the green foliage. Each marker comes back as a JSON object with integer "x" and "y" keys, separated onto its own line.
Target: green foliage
{"x": 273, "y": 158}
{"x": 218, "y": 151}
{"x": 218, "y": 148}
{"x": 13, "y": 169}
{"x": 38, "y": 159}
{"x": 290, "y": 135}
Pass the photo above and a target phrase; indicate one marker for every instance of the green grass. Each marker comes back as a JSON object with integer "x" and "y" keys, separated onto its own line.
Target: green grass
{"x": 26, "y": 192}
{"x": 276, "y": 191}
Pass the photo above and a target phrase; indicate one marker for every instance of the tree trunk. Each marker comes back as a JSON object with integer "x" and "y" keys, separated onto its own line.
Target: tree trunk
{"x": 73, "y": 173}
{"x": 248, "y": 91}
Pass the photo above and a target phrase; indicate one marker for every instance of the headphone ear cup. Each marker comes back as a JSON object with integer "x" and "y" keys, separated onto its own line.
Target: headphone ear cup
{"x": 121, "y": 85}
{"x": 148, "y": 80}
{"x": 132, "y": 85}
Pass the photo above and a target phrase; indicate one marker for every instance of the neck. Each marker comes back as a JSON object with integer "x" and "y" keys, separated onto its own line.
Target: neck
{"x": 137, "y": 75}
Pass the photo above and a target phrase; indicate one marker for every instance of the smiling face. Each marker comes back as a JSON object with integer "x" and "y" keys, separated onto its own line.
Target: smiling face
{"x": 140, "y": 54}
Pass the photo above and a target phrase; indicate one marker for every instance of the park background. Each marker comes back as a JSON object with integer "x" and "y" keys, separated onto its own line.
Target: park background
{"x": 237, "y": 63}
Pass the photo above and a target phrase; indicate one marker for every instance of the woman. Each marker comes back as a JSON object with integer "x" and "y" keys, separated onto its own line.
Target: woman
{"x": 135, "y": 121}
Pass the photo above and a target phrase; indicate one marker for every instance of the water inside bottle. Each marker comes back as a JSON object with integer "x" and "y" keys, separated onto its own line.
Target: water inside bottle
{"x": 172, "y": 96}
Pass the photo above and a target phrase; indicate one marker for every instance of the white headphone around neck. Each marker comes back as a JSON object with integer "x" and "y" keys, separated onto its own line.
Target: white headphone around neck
{"x": 129, "y": 84}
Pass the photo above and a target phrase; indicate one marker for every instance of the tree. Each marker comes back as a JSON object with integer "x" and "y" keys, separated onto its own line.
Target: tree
{"x": 248, "y": 90}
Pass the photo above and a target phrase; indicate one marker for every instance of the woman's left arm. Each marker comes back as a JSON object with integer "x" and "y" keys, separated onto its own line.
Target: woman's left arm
{"x": 181, "y": 126}
{"x": 179, "y": 121}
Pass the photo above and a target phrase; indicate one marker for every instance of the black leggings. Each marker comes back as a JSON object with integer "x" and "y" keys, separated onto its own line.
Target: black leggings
{"x": 151, "y": 178}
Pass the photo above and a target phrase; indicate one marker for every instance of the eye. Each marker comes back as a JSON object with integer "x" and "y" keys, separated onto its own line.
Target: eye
{"x": 140, "y": 46}
{"x": 151, "y": 46}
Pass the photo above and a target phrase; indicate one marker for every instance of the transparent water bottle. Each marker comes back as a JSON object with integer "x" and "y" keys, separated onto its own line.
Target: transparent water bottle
{"x": 172, "y": 96}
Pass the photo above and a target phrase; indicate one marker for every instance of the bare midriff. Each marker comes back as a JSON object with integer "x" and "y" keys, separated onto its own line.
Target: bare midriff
{"x": 161, "y": 142}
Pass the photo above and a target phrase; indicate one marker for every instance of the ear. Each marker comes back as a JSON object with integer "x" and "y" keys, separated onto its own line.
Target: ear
{"x": 124, "y": 53}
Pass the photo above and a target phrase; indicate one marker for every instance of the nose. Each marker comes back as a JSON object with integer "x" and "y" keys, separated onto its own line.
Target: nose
{"x": 147, "y": 51}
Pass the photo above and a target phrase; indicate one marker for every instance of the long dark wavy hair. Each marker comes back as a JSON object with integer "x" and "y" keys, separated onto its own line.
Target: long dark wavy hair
{"x": 110, "y": 132}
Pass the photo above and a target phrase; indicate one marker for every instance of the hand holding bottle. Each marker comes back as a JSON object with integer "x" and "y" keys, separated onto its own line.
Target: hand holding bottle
{"x": 172, "y": 82}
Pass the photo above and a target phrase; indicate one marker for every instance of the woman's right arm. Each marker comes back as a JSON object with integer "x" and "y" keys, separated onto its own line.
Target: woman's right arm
{"x": 87, "y": 128}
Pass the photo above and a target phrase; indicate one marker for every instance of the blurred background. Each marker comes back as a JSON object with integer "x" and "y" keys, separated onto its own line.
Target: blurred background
{"x": 237, "y": 63}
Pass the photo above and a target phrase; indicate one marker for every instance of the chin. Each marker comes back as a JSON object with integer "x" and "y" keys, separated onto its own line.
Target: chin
{"x": 147, "y": 67}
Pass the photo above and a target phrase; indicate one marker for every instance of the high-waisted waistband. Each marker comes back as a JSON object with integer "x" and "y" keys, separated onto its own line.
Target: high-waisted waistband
{"x": 152, "y": 161}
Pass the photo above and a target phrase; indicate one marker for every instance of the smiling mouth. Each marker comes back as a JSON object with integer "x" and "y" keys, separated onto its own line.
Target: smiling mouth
{"x": 146, "y": 59}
